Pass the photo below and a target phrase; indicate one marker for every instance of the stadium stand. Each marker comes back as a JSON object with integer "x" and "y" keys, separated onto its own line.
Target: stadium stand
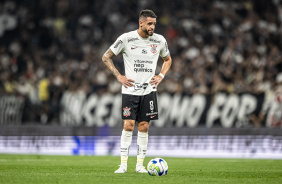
{"x": 48, "y": 48}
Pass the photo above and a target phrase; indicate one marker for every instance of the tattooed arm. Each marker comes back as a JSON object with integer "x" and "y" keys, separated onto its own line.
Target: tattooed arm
{"x": 157, "y": 79}
{"x": 107, "y": 59}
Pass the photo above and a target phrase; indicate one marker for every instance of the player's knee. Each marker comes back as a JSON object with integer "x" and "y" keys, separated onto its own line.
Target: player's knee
{"x": 143, "y": 127}
{"x": 128, "y": 126}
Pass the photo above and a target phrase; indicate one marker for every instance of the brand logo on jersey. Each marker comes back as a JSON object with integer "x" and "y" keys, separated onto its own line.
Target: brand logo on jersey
{"x": 133, "y": 48}
{"x": 154, "y": 49}
{"x": 132, "y": 39}
{"x": 138, "y": 86}
{"x": 155, "y": 41}
{"x": 145, "y": 85}
{"x": 118, "y": 43}
{"x": 143, "y": 70}
{"x": 143, "y": 61}
{"x": 126, "y": 111}
{"x": 144, "y": 51}
{"x": 142, "y": 66}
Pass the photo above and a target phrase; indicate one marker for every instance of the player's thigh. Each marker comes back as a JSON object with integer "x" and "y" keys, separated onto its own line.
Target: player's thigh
{"x": 149, "y": 108}
{"x": 128, "y": 124}
{"x": 130, "y": 106}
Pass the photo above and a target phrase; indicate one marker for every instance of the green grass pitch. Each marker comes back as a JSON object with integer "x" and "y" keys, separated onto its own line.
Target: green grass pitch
{"x": 40, "y": 169}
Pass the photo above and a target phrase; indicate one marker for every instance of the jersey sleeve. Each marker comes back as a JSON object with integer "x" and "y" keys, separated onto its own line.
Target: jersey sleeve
{"x": 164, "y": 48}
{"x": 119, "y": 45}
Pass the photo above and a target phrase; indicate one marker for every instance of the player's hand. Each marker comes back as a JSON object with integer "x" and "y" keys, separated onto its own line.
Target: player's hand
{"x": 125, "y": 81}
{"x": 156, "y": 80}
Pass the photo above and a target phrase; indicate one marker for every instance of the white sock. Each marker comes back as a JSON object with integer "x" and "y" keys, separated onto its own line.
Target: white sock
{"x": 125, "y": 142}
{"x": 142, "y": 142}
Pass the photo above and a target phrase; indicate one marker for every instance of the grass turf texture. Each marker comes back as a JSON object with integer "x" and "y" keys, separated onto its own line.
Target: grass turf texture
{"x": 97, "y": 169}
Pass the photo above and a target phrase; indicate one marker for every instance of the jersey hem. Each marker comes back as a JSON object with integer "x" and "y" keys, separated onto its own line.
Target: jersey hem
{"x": 137, "y": 94}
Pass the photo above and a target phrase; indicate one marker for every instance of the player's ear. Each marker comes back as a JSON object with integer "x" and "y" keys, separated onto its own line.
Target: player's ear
{"x": 140, "y": 22}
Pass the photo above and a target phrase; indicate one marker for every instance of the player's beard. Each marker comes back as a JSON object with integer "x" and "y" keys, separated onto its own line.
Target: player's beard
{"x": 147, "y": 33}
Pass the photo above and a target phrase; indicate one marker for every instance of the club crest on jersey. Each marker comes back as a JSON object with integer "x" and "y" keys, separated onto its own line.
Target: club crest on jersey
{"x": 154, "y": 49}
{"x": 126, "y": 111}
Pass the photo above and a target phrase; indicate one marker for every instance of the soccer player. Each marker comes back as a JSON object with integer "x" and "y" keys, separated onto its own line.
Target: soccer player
{"x": 140, "y": 49}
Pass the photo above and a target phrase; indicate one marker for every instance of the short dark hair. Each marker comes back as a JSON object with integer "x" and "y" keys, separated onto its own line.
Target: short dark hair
{"x": 147, "y": 13}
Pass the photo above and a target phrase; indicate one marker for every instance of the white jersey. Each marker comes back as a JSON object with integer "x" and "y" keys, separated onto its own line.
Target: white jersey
{"x": 140, "y": 57}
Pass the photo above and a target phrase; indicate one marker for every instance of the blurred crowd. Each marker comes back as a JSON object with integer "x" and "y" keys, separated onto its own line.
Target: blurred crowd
{"x": 48, "y": 47}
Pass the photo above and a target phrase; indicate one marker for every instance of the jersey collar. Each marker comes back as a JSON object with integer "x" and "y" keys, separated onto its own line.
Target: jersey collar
{"x": 141, "y": 37}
